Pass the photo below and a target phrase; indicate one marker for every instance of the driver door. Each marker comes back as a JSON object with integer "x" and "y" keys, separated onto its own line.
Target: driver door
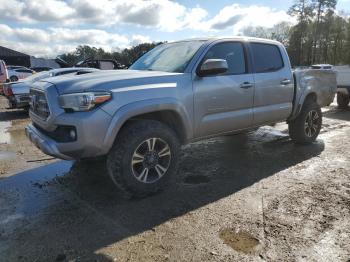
{"x": 224, "y": 103}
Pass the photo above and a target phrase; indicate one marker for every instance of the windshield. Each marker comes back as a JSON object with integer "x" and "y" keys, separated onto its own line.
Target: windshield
{"x": 172, "y": 57}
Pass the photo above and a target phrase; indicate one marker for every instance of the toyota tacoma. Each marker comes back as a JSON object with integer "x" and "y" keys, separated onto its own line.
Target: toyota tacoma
{"x": 175, "y": 94}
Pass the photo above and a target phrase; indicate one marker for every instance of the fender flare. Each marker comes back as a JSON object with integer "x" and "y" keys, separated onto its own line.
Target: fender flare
{"x": 131, "y": 110}
{"x": 299, "y": 102}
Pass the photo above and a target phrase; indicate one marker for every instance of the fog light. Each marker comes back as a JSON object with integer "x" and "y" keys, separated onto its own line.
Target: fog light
{"x": 72, "y": 134}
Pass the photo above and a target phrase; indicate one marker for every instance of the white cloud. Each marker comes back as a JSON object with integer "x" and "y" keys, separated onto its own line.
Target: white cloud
{"x": 163, "y": 14}
{"x": 56, "y": 40}
{"x": 65, "y": 19}
{"x": 139, "y": 39}
{"x": 239, "y": 17}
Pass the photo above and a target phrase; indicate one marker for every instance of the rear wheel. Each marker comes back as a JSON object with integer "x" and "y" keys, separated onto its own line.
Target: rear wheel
{"x": 144, "y": 158}
{"x": 307, "y": 126}
{"x": 343, "y": 100}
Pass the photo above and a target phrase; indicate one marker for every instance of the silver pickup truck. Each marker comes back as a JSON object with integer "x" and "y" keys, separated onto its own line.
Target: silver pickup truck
{"x": 175, "y": 94}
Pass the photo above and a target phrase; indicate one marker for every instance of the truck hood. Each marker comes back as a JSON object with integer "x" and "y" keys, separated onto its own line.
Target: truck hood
{"x": 111, "y": 80}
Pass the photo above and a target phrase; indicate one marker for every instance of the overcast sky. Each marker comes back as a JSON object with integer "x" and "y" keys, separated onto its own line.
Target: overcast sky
{"x": 51, "y": 27}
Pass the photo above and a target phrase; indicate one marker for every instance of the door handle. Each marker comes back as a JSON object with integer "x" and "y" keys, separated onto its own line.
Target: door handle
{"x": 286, "y": 82}
{"x": 246, "y": 85}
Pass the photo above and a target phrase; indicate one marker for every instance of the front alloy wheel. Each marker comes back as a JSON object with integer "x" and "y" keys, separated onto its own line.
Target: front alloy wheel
{"x": 144, "y": 158}
{"x": 151, "y": 160}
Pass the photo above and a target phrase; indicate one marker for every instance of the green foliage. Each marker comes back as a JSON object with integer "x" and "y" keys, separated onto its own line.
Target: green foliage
{"x": 126, "y": 56}
{"x": 320, "y": 35}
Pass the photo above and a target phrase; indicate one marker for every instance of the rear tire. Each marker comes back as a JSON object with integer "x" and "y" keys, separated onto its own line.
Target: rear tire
{"x": 343, "y": 100}
{"x": 307, "y": 126}
{"x": 143, "y": 158}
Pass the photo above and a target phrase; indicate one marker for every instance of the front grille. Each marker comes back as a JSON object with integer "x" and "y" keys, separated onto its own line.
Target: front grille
{"x": 38, "y": 104}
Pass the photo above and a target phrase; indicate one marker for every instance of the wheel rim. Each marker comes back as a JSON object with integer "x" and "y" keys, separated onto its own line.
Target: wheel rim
{"x": 312, "y": 123}
{"x": 151, "y": 160}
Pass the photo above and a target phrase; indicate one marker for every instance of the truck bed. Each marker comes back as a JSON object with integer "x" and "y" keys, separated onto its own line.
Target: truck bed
{"x": 322, "y": 80}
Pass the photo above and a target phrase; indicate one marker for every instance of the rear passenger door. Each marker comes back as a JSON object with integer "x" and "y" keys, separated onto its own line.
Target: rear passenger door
{"x": 274, "y": 88}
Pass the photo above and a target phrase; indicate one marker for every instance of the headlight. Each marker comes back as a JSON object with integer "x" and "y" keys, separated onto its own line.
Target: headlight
{"x": 83, "y": 101}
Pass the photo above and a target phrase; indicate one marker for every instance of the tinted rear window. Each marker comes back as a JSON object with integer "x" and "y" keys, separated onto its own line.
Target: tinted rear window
{"x": 267, "y": 58}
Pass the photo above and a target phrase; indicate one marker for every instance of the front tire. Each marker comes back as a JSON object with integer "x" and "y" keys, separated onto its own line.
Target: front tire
{"x": 143, "y": 158}
{"x": 343, "y": 100}
{"x": 307, "y": 126}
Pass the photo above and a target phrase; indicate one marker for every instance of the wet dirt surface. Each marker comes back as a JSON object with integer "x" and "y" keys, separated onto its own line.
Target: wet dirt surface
{"x": 255, "y": 197}
{"x": 15, "y": 149}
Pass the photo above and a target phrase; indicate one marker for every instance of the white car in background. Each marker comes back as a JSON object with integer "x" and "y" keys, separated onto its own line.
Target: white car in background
{"x": 16, "y": 73}
{"x": 322, "y": 66}
{"x": 17, "y": 93}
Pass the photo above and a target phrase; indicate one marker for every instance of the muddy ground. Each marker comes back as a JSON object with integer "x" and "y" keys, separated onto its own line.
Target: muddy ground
{"x": 240, "y": 198}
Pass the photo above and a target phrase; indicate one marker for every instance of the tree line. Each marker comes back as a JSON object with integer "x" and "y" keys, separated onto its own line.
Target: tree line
{"x": 125, "y": 57}
{"x": 321, "y": 35}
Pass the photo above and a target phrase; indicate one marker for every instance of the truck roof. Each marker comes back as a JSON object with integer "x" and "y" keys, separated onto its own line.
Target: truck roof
{"x": 233, "y": 38}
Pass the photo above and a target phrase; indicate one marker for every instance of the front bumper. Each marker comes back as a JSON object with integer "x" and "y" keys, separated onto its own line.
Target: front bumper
{"x": 44, "y": 143}
{"x": 91, "y": 128}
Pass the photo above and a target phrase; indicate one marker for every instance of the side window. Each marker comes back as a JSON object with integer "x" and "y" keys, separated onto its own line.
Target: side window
{"x": 23, "y": 71}
{"x": 233, "y": 53}
{"x": 266, "y": 57}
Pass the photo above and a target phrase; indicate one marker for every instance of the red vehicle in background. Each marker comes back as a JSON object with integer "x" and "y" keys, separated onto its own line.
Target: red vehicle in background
{"x": 3, "y": 75}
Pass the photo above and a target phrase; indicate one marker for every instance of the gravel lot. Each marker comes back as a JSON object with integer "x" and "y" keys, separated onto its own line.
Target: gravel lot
{"x": 255, "y": 197}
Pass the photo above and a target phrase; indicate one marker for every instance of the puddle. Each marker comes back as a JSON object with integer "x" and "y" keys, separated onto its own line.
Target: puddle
{"x": 31, "y": 188}
{"x": 5, "y": 136}
{"x": 240, "y": 241}
{"x": 194, "y": 180}
{"x": 11, "y": 135}
{"x": 7, "y": 155}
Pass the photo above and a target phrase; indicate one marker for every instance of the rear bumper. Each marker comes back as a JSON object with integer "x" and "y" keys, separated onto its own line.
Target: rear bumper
{"x": 19, "y": 101}
{"x": 44, "y": 143}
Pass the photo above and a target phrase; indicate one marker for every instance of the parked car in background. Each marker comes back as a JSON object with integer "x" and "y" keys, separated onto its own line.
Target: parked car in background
{"x": 41, "y": 68}
{"x": 322, "y": 66}
{"x": 103, "y": 64}
{"x": 3, "y": 75}
{"x": 17, "y": 93}
{"x": 16, "y": 73}
{"x": 343, "y": 81}
{"x": 175, "y": 94}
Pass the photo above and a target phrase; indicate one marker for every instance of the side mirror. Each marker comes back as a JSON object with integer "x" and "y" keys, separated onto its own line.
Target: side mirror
{"x": 213, "y": 67}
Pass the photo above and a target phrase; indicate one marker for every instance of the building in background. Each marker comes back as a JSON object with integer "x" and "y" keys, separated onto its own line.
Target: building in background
{"x": 12, "y": 57}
